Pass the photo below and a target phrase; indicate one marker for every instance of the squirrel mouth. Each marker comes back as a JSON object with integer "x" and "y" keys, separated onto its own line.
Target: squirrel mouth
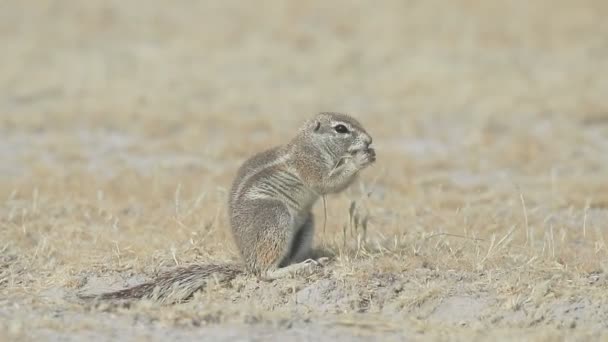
{"x": 357, "y": 149}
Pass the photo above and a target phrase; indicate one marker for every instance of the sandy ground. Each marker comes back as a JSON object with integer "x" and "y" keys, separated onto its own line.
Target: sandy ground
{"x": 123, "y": 123}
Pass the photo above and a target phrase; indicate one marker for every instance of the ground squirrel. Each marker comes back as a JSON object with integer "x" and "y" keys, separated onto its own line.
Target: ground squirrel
{"x": 270, "y": 206}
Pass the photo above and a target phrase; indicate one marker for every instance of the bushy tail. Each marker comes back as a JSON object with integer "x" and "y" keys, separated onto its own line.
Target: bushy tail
{"x": 175, "y": 285}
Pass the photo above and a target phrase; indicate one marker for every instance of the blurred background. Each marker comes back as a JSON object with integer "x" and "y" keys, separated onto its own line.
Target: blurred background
{"x": 77, "y": 61}
{"x": 481, "y": 86}
{"x": 466, "y": 95}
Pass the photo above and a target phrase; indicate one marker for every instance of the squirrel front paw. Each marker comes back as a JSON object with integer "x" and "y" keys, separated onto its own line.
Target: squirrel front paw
{"x": 364, "y": 158}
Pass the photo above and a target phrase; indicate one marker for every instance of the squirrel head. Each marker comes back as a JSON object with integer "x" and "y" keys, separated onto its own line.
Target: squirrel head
{"x": 338, "y": 132}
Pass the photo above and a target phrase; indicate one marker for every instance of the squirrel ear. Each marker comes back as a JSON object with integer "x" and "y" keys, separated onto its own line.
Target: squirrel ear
{"x": 317, "y": 125}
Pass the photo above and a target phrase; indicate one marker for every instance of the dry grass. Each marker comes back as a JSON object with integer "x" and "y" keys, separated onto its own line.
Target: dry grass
{"x": 122, "y": 124}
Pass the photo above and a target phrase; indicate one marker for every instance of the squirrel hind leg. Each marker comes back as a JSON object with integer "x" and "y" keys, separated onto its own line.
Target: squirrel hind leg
{"x": 300, "y": 259}
{"x": 264, "y": 239}
{"x": 301, "y": 244}
{"x": 274, "y": 250}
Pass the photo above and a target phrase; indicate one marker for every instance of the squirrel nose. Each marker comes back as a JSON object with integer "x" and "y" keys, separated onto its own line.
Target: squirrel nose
{"x": 368, "y": 140}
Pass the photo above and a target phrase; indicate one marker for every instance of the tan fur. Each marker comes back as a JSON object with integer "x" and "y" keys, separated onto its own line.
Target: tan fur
{"x": 270, "y": 205}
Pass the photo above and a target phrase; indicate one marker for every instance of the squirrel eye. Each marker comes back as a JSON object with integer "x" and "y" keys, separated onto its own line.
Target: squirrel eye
{"x": 341, "y": 129}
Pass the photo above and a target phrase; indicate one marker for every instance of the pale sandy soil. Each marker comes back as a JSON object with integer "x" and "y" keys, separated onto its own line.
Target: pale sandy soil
{"x": 122, "y": 124}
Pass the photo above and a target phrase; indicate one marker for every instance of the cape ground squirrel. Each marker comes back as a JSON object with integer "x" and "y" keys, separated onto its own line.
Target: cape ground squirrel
{"x": 270, "y": 206}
